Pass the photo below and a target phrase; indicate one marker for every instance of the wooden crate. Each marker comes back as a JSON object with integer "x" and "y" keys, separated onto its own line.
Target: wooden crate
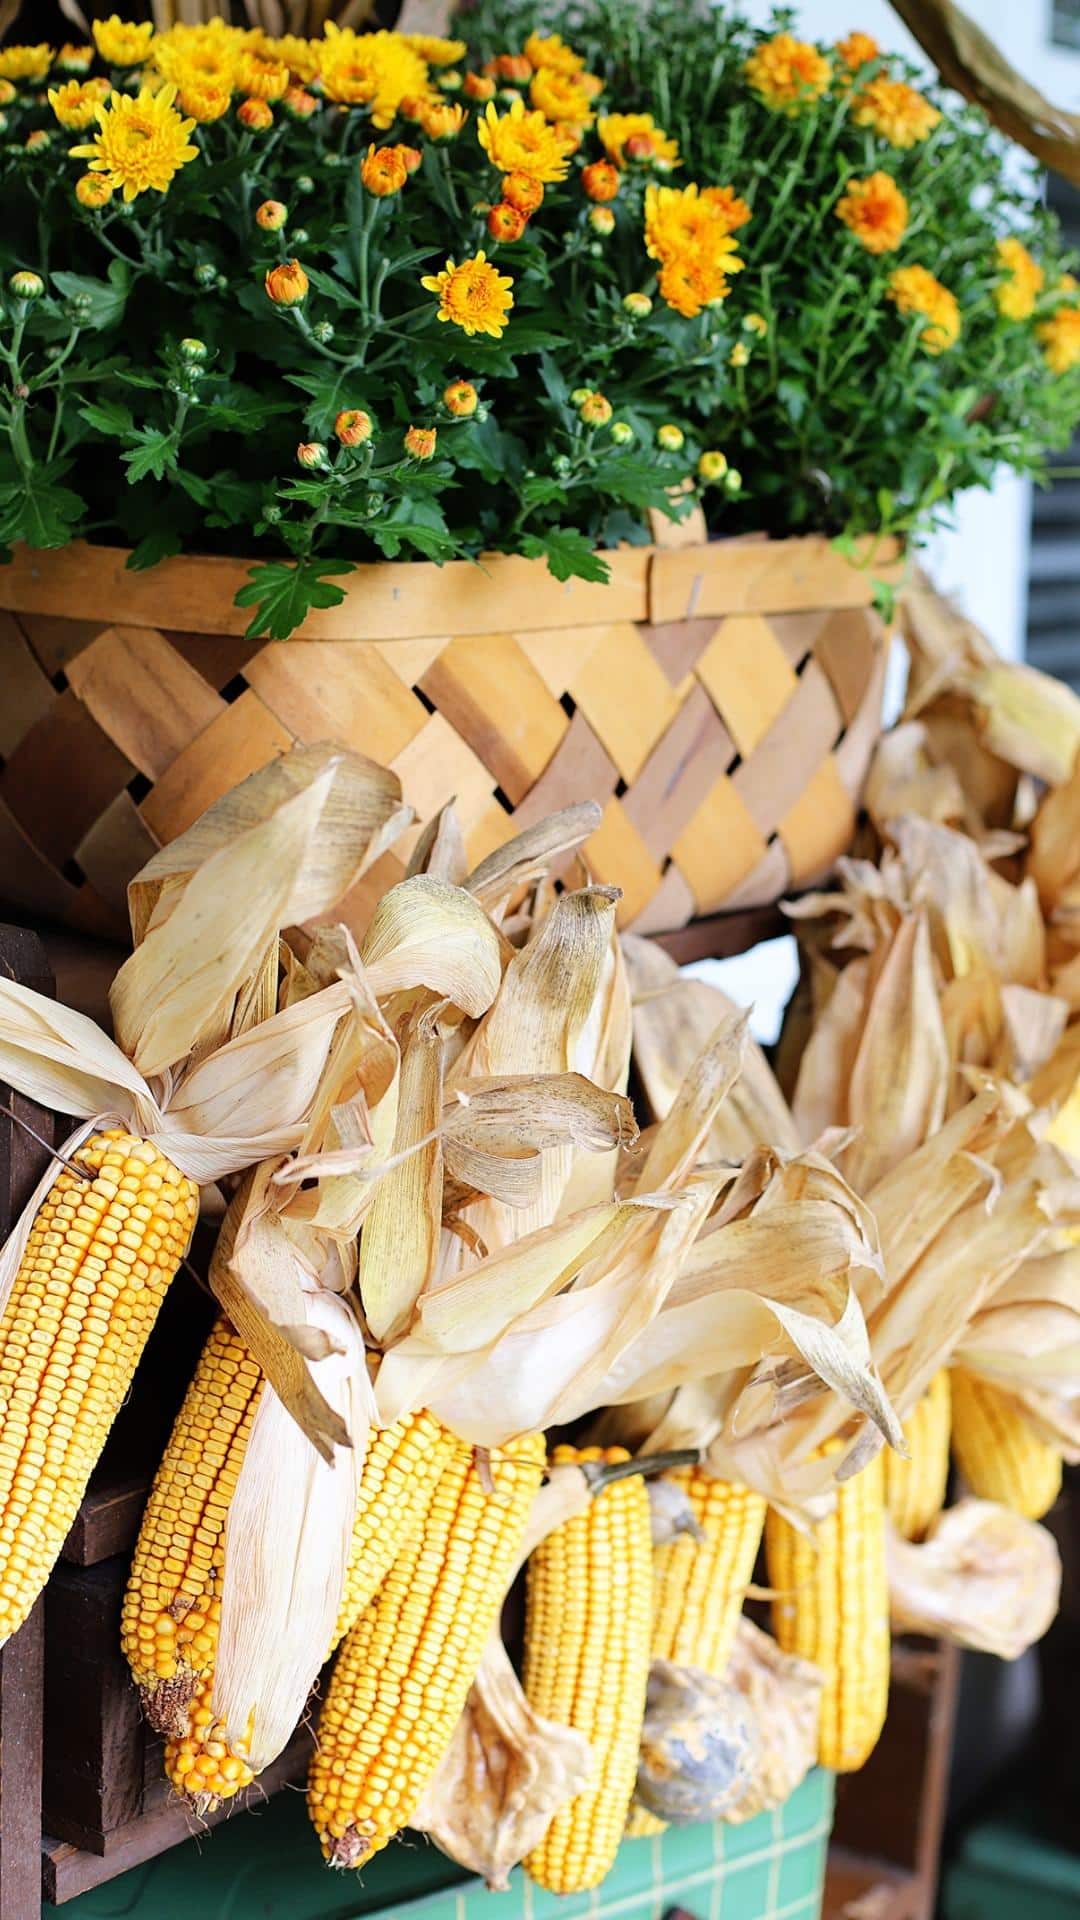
{"x": 721, "y": 703}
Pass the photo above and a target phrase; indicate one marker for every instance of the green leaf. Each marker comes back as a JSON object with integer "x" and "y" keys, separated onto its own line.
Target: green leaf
{"x": 40, "y": 512}
{"x": 284, "y": 595}
{"x": 109, "y": 417}
{"x": 568, "y": 554}
{"x": 107, "y": 298}
{"x": 159, "y": 545}
{"x": 541, "y": 490}
{"x": 154, "y": 453}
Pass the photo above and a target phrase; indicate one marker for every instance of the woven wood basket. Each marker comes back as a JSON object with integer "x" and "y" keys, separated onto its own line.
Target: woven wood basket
{"x": 720, "y": 701}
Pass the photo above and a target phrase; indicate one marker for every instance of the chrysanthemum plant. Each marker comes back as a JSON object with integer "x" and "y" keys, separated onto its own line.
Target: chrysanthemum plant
{"x": 905, "y": 324}
{"x": 356, "y": 297}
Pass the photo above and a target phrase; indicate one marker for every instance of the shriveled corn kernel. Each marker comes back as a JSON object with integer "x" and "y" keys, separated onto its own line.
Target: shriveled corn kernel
{"x": 587, "y": 1664}
{"x": 173, "y": 1601}
{"x": 699, "y": 1585}
{"x": 71, "y": 1336}
{"x": 405, "y": 1669}
{"x": 998, "y": 1450}
{"x": 833, "y": 1608}
{"x": 915, "y": 1488}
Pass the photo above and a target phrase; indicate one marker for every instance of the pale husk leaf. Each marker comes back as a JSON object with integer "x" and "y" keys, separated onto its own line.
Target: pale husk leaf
{"x": 400, "y": 1241}
{"x": 783, "y": 1694}
{"x": 440, "y": 849}
{"x": 984, "y": 1578}
{"x": 678, "y": 1140}
{"x": 426, "y": 933}
{"x": 504, "y": 1776}
{"x": 529, "y": 855}
{"x": 899, "y": 1082}
{"x": 287, "y": 1543}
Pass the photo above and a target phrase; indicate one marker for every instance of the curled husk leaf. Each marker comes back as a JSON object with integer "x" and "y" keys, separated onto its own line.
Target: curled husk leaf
{"x": 782, "y": 1695}
{"x": 984, "y": 1578}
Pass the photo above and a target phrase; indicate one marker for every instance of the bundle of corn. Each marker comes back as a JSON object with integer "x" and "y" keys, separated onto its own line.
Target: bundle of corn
{"x": 84, "y": 1272}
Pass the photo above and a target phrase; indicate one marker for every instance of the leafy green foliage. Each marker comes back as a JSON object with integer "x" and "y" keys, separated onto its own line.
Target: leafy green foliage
{"x": 284, "y": 595}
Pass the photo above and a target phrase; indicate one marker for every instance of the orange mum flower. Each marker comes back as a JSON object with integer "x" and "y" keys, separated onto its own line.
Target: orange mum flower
{"x": 636, "y": 136}
{"x": 857, "y": 50}
{"x": 461, "y": 399}
{"x": 689, "y": 282}
{"x": 440, "y": 120}
{"x": 420, "y": 442}
{"x": 287, "y": 284}
{"x": 601, "y": 180}
{"x": 876, "y": 212}
{"x": 1060, "y": 336}
{"x": 788, "y": 74}
{"x": 915, "y": 290}
{"x": 479, "y": 86}
{"x": 255, "y": 115}
{"x": 473, "y": 295}
{"x": 894, "y": 110}
{"x": 505, "y": 223}
{"x": 683, "y": 220}
{"x": 725, "y": 201}
{"x": 510, "y": 66}
{"x": 560, "y": 97}
{"x": 1024, "y": 280}
{"x": 552, "y": 53}
{"x": 520, "y": 190}
{"x": 383, "y": 172}
{"x": 353, "y": 427}
{"x": 521, "y": 142}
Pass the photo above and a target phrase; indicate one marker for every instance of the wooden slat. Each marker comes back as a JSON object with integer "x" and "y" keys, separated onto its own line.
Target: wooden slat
{"x": 747, "y": 676}
{"x": 718, "y": 847}
{"x": 346, "y": 692}
{"x": 625, "y": 696}
{"x": 775, "y": 576}
{"x": 107, "y": 1522}
{"x": 718, "y": 936}
{"x": 819, "y": 825}
{"x": 618, "y": 857}
{"x": 241, "y": 740}
{"x": 28, "y": 691}
{"x": 391, "y": 600}
{"x": 144, "y": 695}
{"x": 488, "y": 689}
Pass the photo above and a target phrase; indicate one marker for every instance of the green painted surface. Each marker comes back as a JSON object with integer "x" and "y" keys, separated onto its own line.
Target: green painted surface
{"x": 265, "y": 1866}
{"x": 1009, "y": 1865}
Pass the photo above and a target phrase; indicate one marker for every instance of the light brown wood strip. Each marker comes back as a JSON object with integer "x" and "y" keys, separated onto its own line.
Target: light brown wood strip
{"x": 842, "y": 651}
{"x": 27, "y": 692}
{"x": 53, "y": 640}
{"x": 389, "y": 600}
{"x": 559, "y": 653}
{"x": 770, "y": 576}
{"x": 853, "y": 752}
{"x": 672, "y": 905}
{"x": 581, "y": 770}
{"x": 618, "y": 857}
{"x": 144, "y": 695}
{"x": 338, "y": 690}
{"x": 819, "y": 825}
{"x": 718, "y": 847}
{"x": 625, "y": 696}
{"x": 492, "y": 694}
{"x": 243, "y": 738}
{"x": 770, "y": 781}
{"x": 61, "y": 775}
{"x": 113, "y": 849}
{"x": 677, "y": 645}
{"x": 437, "y": 766}
{"x": 797, "y": 632}
{"x": 768, "y": 881}
{"x": 748, "y": 677}
{"x": 679, "y": 773}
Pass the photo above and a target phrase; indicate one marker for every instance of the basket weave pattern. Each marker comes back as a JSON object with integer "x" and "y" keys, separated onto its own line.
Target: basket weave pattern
{"x": 720, "y": 702}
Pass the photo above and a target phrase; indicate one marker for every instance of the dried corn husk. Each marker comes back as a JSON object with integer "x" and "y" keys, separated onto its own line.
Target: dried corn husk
{"x": 984, "y": 1578}
{"x": 698, "y": 1745}
{"x": 504, "y": 1776}
{"x": 783, "y": 1697}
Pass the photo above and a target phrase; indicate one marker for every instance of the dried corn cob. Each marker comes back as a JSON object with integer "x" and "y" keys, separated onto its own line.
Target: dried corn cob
{"x": 98, "y": 1262}
{"x": 172, "y": 1607}
{"x": 834, "y": 1609}
{"x": 587, "y": 1664}
{"x": 401, "y": 1468}
{"x": 405, "y": 1670}
{"x": 698, "y": 1585}
{"x": 915, "y": 1488}
{"x": 998, "y": 1451}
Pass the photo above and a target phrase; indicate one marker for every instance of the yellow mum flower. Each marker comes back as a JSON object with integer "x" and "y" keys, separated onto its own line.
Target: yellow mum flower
{"x": 553, "y": 53}
{"x": 1060, "y": 336}
{"x": 558, "y": 96}
{"x": 876, "y": 212}
{"x": 894, "y": 110}
{"x": 690, "y": 281}
{"x": 141, "y": 143}
{"x": 473, "y": 295}
{"x": 440, "y": 120}
{"x": 914, "y": 290}
{"x": 521, "y": 142}
{"x": 373, "y": 70}
{"x": 857, "y": 50}
{"x": 25, "y": 63}
{"x": 1024, "y": 280}
{"x": 75, "y": 104}
{"x": 260, "y": 76}
{"x": 121, "y": 43}
{"x": 92, "y": 191}
{"x": 7, "y": 93}
{"x": 293, "y": 51}
{"x": 682, "y": 220}
{"x": 203, "y": 101}
{"x": 200, "y": 56}
{"x": 788, "y": 74}
{"x": 437, "y": 53}
{"x": 636, "y": 136}
{"x": 75, "y": 59}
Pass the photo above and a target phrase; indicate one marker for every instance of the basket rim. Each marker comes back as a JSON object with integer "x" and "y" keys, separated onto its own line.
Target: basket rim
{"x": 392, "y": 600}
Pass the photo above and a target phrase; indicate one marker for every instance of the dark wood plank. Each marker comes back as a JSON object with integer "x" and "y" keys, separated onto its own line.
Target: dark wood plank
{"x": 718, "y": 936}
{"x": 22, "y": 1162}
{"x": 67, "y": 1871}
{"x": 857, "y": 1888}
{"x": 94, "y": 1730}
{"x": 107, "y": 1522}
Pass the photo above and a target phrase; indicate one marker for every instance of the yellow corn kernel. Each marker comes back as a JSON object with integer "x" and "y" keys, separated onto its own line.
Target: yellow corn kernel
{"x": 98, "y": 1262}
{"x": 402, "y": 1467}
{"x": 833, "y": 1608}
{"x": 998, "y": 1450}
{"x": 404, "y": 1672}
{"x": 172, "y": 1607}
{"x": 587, "y": 1665}
{"x": 699, "y": 1585}
{"x": 915, "y": 1488}
{"x": 200, "y": 1762}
